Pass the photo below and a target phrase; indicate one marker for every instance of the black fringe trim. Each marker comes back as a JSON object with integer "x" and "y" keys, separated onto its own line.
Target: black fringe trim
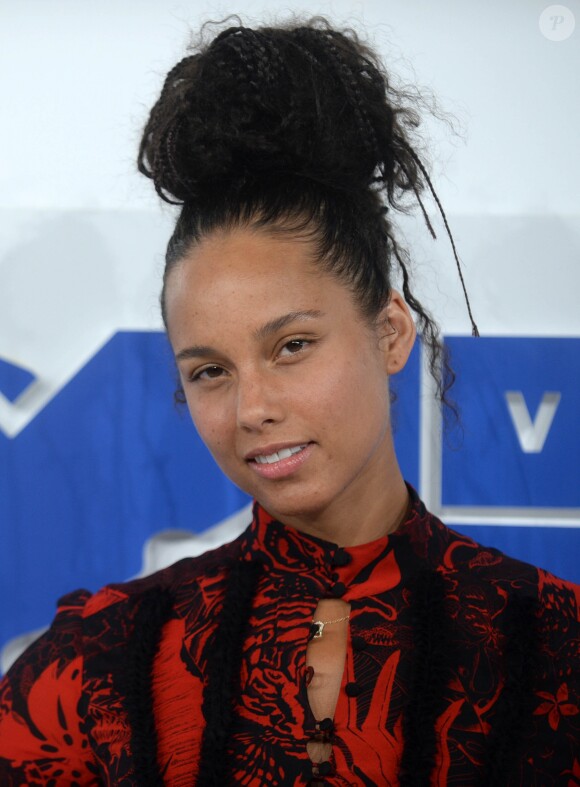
{"x": 430, "y": 674}
{"x": 516, "y": 702}
{"x": 223, "y": 672}
{"x": 155, "y": 608}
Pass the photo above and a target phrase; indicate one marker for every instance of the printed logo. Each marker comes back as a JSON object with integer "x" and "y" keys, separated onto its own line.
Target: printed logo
{"x": 557, "y": 22}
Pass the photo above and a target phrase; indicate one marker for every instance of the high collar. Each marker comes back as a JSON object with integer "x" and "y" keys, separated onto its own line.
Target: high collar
{"x": 376, "y": 565}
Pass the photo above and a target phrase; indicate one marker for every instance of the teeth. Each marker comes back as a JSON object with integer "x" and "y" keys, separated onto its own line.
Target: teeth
{"x": 283, "y": 453}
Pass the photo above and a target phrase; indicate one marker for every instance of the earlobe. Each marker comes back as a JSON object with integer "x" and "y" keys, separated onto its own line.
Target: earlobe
{"x": 399, "y": 340}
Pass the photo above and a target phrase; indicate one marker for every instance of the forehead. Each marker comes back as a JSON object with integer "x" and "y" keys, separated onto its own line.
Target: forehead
{"x": 249, "y": 252}
{"x": 248, "y": 275}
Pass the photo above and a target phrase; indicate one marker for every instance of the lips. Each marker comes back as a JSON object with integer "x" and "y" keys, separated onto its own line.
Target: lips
{"x": 278, "y": 462}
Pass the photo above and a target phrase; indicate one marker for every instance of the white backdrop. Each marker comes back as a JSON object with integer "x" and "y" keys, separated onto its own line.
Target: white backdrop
{"x": 82, "y": 235}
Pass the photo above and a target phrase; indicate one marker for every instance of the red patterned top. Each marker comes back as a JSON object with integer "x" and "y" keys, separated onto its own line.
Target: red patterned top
{"x": 462, "y": 668}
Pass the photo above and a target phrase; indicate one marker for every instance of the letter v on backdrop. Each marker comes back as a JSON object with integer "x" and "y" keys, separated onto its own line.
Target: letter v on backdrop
{"x": 532, "y": 434}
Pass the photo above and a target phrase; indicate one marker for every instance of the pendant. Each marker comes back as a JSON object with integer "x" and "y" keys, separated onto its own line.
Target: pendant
{"x": 317, "y": 628}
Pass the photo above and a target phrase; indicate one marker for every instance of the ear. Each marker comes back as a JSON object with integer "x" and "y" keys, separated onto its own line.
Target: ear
{"x": 398, "y": 333}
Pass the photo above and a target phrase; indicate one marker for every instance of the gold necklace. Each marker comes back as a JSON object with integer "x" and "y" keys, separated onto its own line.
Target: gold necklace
{"x": 317, "y": 626}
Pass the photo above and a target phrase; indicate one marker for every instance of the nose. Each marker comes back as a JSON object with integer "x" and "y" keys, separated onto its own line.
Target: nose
{"x": 258, "y": 401}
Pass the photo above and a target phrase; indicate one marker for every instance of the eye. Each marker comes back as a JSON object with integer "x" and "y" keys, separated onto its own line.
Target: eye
{"x": 294, "y": 346}
{"x": 207, "y": 373}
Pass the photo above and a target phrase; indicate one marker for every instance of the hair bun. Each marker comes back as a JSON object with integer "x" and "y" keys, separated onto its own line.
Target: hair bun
{"x": 309, "y": 101}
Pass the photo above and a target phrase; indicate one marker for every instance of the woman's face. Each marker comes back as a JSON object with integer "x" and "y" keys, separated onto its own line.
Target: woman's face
{"x": 284, "y": 379}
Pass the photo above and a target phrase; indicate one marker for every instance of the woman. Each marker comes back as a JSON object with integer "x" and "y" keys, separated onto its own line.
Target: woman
{"x": 347, "y": 636}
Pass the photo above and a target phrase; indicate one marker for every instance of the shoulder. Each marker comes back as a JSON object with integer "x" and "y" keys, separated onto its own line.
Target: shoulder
{"x": 475, "y": 570}
{"x": 93, "y": 650}
{"x": 85, "y": 620}
{"x": 515, "y": 595}
{"x": 109, "y": 617}
{"x": 525, "y": 615}
{"x": 461, "y": 552}
{"x": 177, "y": 578}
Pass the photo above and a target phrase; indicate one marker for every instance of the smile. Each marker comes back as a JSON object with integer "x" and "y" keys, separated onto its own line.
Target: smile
{"x": 283, "y": 453}
{"x": 282, "y": 463}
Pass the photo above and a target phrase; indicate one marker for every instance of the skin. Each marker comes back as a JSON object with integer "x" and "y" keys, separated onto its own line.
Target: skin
{"x": 319, "y": 378}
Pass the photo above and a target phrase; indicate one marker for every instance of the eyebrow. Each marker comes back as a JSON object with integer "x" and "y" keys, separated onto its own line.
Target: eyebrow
{"x": 275, "y": 325}
{"x": 261, "y": 333}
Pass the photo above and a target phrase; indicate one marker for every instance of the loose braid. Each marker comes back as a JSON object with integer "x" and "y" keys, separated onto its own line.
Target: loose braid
{"x": 431, "y": 660}
{"x": 223, "y": 673}
{"x": 352, "y": 90}
{"x": 474, "y": 328}
{"x": 154, "y": 610}
{"x": 159, "y": 135}
{"x": 514, "y": 707}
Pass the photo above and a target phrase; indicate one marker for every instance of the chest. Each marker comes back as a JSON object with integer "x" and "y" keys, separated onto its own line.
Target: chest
{"x": 333, "y": 708}
{"x": 312, "y": 707}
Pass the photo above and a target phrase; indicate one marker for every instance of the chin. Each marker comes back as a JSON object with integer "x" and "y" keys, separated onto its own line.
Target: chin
{"x": 287, "y": 498}
{"x": 293, "y": 505}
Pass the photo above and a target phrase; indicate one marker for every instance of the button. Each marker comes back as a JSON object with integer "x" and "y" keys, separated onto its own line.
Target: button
{"x": 338, "y": 590}
{"x": 341, "y": 558}
{"x": 352, "y": 689}
{"x": 324, "y": 769}
{"x": 325, "y": 725}
{"x": 358, "y": 643}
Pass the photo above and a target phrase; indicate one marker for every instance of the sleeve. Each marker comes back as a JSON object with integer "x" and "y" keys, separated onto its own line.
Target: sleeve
{"x": 42, "y": 738}
{"x": 555, "y": 748}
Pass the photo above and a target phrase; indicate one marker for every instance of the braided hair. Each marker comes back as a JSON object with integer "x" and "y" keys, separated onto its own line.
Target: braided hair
{"x": 296, "y": 129}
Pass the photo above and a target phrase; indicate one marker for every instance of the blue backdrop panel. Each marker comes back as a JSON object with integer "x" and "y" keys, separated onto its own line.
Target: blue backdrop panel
{"x": 491, "y": 468}
{"x": 106, "y": 464}
{"x": 487, "y": 465}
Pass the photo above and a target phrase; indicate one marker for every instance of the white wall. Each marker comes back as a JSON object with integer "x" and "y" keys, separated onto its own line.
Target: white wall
{"x": 77, "y": 78}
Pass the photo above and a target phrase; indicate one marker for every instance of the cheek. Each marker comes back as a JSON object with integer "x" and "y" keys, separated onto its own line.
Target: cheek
{"x": 357, "y": 394}
{"x": 211, "y": 422}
